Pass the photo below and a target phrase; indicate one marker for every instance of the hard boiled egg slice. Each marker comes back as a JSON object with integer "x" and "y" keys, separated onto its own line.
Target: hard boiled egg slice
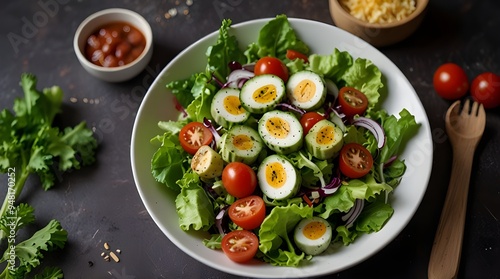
{"x": 281, "y": 131}
{"x": 226, "y": 108}
{"x": 306, "y": 90}
{"x": 278, "y": 178}
{"x": 313, "y": 235}
{"x": 262, "y": 93}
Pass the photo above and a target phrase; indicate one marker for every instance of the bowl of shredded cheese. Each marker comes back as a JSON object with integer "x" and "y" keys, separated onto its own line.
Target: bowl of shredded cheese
{"x": 379, "y": 22}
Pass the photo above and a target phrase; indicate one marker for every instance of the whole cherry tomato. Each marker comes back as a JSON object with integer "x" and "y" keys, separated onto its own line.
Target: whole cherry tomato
{"x": 485, "y": 89}
{"x": 450, "y": 81}
{"x": 271, "y": 65}
{"x": 239, "y": 179}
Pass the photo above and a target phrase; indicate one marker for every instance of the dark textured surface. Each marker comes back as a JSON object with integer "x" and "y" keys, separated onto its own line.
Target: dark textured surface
{"x": 100, "y": 203}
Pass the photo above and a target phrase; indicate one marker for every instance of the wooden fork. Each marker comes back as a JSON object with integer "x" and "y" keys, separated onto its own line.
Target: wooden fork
{"x": 464, "y": 127}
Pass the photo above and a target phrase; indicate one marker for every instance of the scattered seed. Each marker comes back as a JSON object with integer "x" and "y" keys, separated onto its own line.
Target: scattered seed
{"x": 106, "y": 258}
{"x": 118, "y": 251}
{"x": 103, "y": 254}
{"x": 189, "y": 2}
{"x": 172, "y": 12}
{"x": 114, "y": 256}
{"x": 185, "y": 12}
{"x": 106, "y": 246}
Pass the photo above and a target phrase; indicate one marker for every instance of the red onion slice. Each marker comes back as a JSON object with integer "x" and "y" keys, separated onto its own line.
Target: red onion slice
{"x": 353, "y": 214}
{"x": 237, "y": 78}
{"x": 207, "y": 123}
{"x": 372, "y": 126}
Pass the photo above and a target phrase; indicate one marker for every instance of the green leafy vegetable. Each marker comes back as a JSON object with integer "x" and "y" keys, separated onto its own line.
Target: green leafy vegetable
{"x": 274, "y": 236}
{"x": 194, "y": 207}
{"x": 23, "y": 257}
{"x": 275, "y": 38}
{"x": 29, "y": 144}
{"x": 342, "y": 69}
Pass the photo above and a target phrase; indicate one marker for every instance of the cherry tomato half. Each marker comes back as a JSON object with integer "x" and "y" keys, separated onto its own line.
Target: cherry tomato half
{"x": 248, "y": 212}
{"x": 271, "y": 65}
{"x": 485, "y": 89}
{"x": 309, "y": 119}
{"x": 293, "y": 54}
{"x": 239, "y": 179}
{"x": 352, "y": 101}
{"x": 240, "y": 246}
{"x": 193, "y": 136}
{"x": 450, "y": 81}
{"x": 355, "y": 160}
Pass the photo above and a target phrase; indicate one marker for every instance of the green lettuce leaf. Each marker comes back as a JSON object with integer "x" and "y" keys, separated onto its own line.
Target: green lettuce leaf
{"x": 275, "y": 242}
{"x": 343, "y": 70}
{"x": 274, "y": 39}
{"x": 224, "y": 51}
{"x": 193, "y": 205}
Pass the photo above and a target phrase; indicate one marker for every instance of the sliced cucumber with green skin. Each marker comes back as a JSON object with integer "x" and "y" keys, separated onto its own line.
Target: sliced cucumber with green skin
{"x": 324, "y": 140}
{"x": 262, "y": 93}
{"x": 278, "y": 178}
{"x": 241, "y": 144}
{"x": 281, "y": 131}
{"x": 207, "y": 163}
{"x": 226, "y": 108}
{"x": 306, "y": 90}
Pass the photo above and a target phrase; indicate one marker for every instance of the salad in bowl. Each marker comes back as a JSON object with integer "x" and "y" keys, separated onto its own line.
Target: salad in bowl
{"x": 279, "y": 154}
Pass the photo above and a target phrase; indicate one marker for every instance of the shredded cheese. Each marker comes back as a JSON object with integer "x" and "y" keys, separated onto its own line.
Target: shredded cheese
{"x": 379, "y": 11}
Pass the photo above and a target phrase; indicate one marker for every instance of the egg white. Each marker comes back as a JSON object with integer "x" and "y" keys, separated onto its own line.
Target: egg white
{"x": 294, "y": 138}
{"x": 300, "y": 79}
{"x": 292, "y": 179}
{"x": 312, "y": 246}
{"x": 221, "y": 113}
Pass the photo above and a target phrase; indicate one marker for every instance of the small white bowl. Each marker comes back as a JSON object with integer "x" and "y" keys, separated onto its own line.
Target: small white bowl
{"x": 96, "y": 20}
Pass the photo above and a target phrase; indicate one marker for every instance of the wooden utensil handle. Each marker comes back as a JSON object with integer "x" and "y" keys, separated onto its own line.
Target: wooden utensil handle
{"x": 447, "y": 246}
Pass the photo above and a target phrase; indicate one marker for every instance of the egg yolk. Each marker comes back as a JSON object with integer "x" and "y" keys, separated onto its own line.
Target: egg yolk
{"x": 325, "y": 135}
{"x": 232, "y": 105}
{"x": 265, "y": 94}
{"x": 275, "y": 175}
{"x": 243, "y": 142}
{"x": 304, "y": 91}
{"x": 314, "y": 230}
{"x": 278, "y": 127}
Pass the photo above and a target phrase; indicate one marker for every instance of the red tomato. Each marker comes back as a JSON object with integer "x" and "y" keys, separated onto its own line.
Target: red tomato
{"x": 352, "y": 101}
{"x": 248, "y": 212}
{"x": 271, "y": 65}
{"x": 485, "y": 89}
{"x": 240, "y": 246}
{"x": 450, "y": 81}
{"x": 355, "y": 160}
{"x": 193, "y": 136}
{"x": 239, "y": 179}
{"x": 309, "y": 119}
{"x": 293, "y": 54}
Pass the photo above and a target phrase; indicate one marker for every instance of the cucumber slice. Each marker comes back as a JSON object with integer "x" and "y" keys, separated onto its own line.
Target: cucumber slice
{"x": 281, "y": 131}
{"x": 226, "y": 108}
{"x": 324, "y": 140}
{"x": 262, "y": 93}
{"x": 306, "y": 90}
{"x": 241, "y": 144}
{"x": 278, "y": 178}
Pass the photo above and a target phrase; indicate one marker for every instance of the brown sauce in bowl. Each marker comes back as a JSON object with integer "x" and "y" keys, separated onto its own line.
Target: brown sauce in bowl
{"x": 115, "y": 44}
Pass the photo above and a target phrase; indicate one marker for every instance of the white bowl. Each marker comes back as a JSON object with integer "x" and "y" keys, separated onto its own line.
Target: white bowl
{"x": 94, "y": 21}
{"x": 157, "y": 105}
